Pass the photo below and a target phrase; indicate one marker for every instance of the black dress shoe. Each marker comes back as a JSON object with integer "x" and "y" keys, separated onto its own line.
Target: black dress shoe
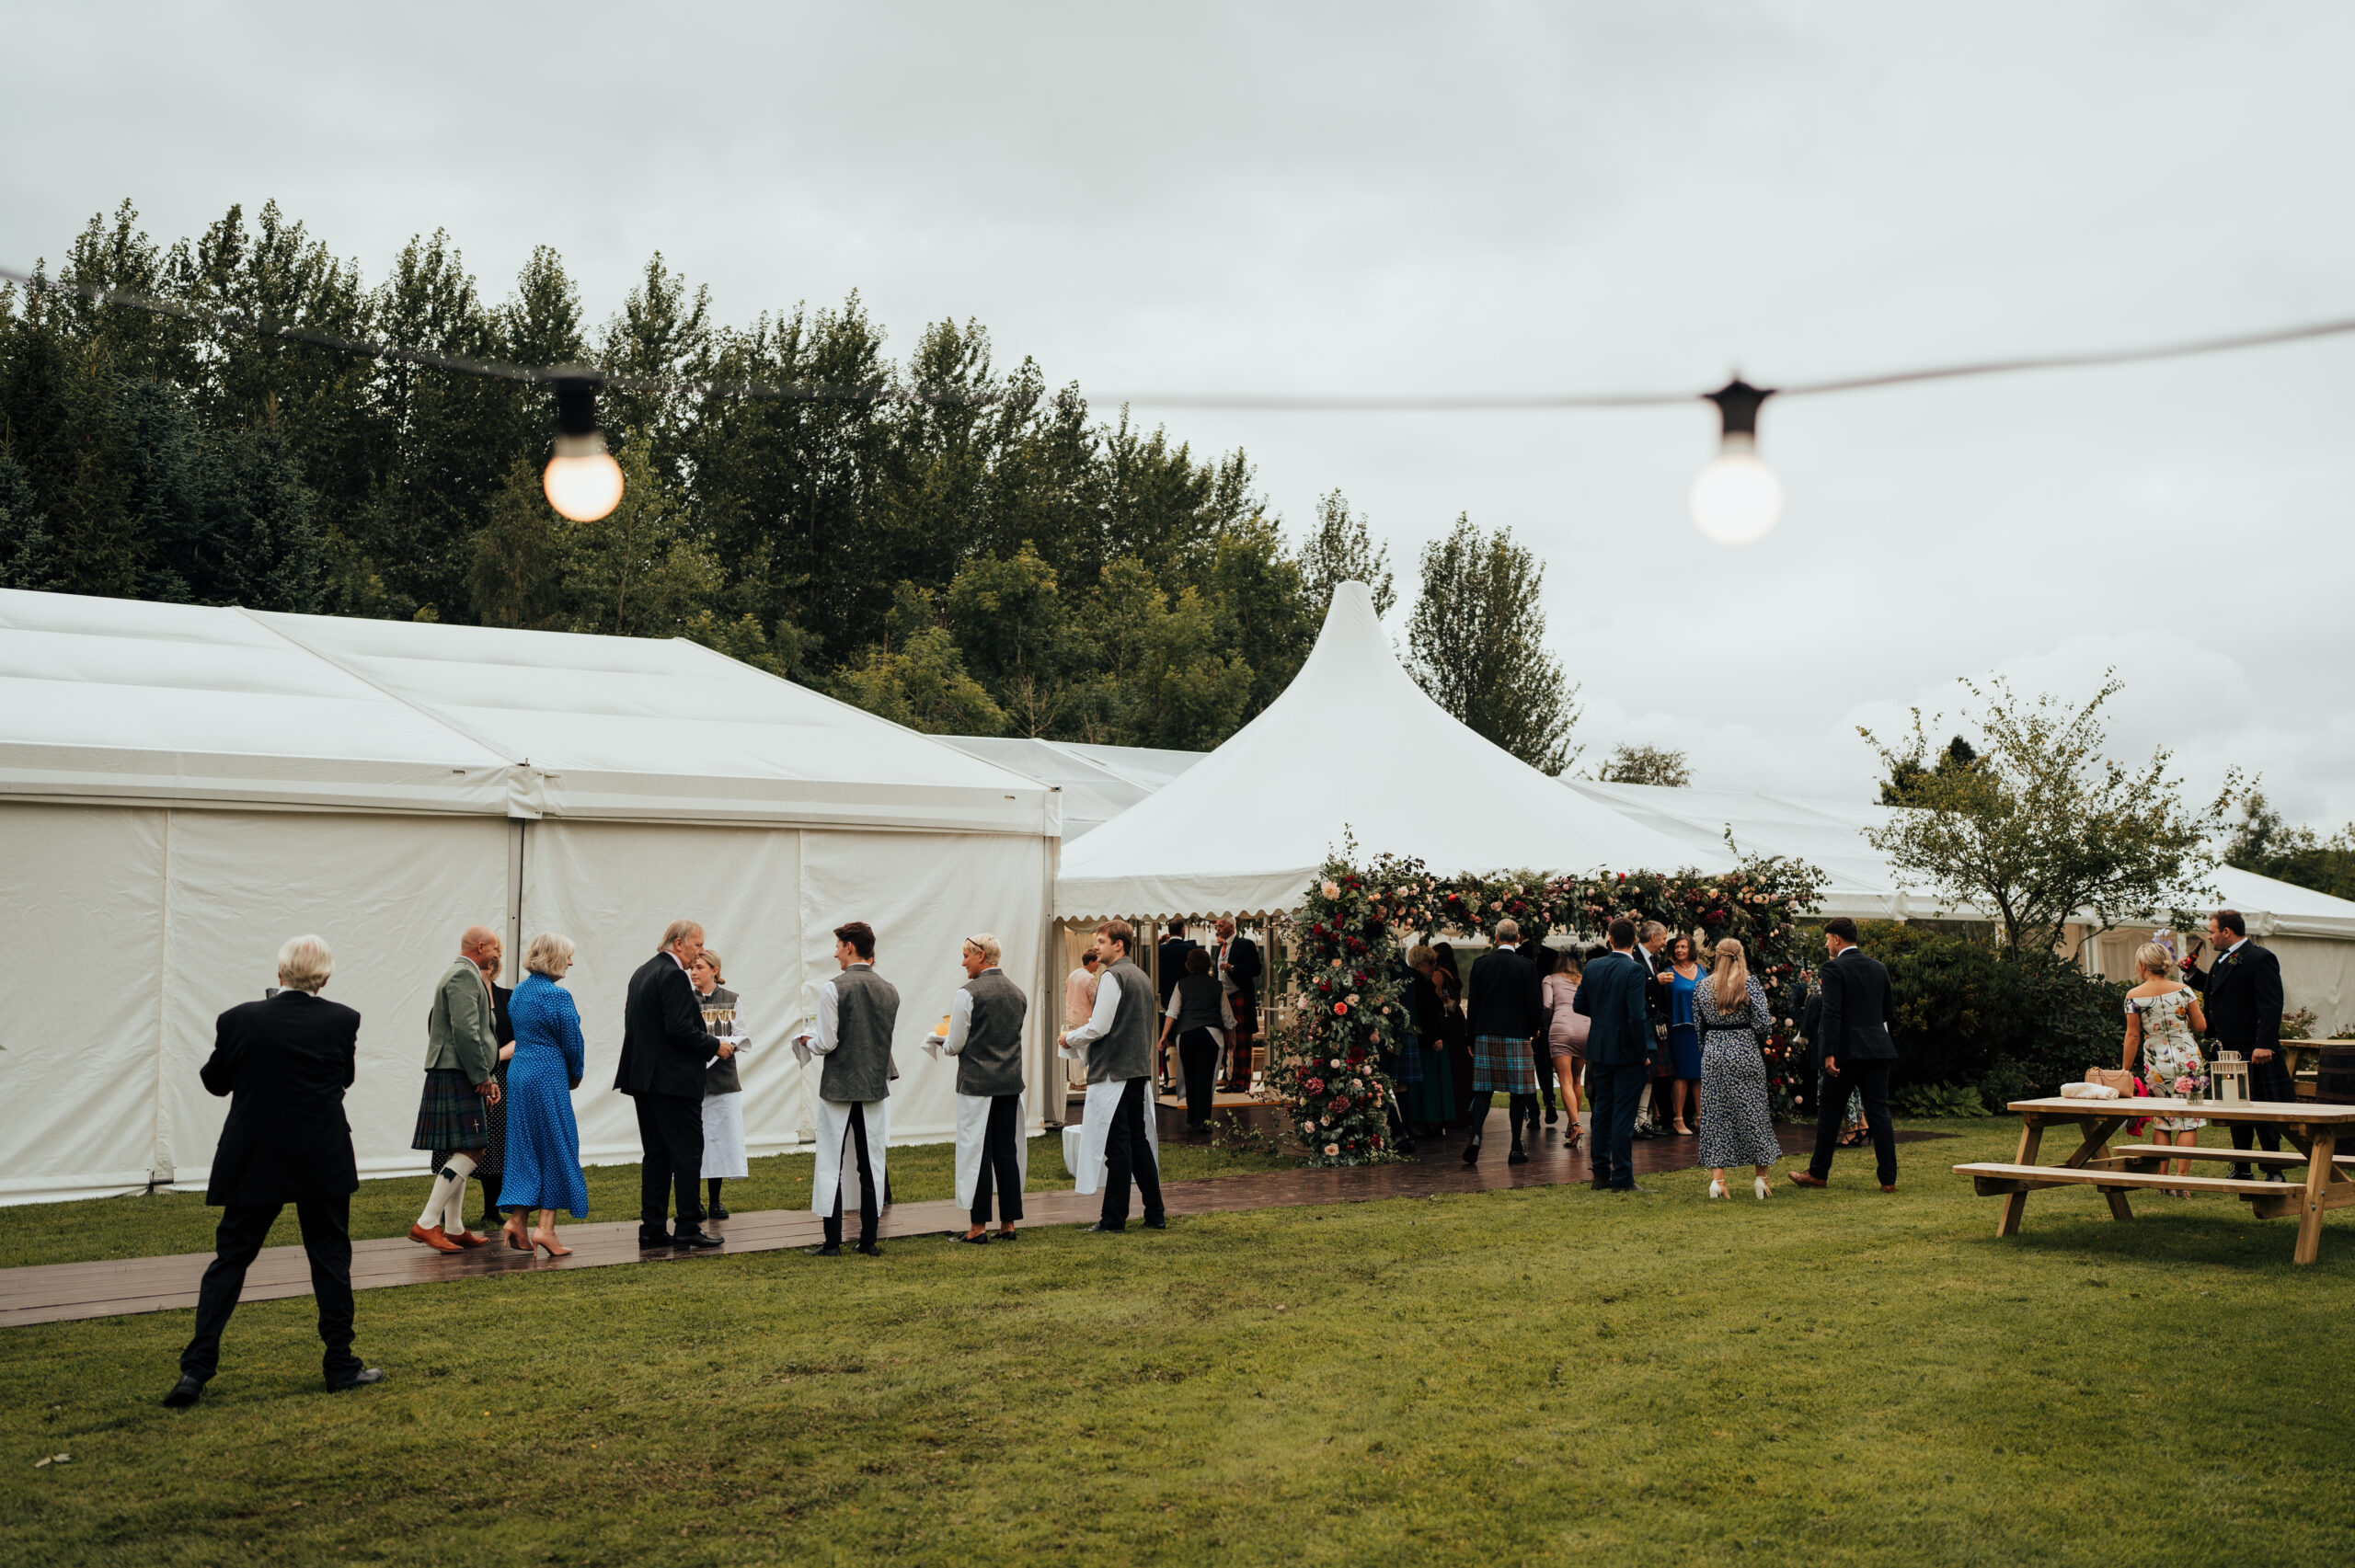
{"x": 1472, "y": 1152}
{"x": 1006, "y": 1235}
{"x": 1406, "y": 1145}
{"x": 1600, "y": 1184}
{"x": 715, "y": 1212}
{"x": 695, "y": 1240}
{"x": 1157, "y": 1222}
{"x": 1552, "y": 1115}
{"x": 976, "y": 1241}
{"x": 1100, "y": 1228}
{"x": 360, "y": 1380}
{"x": 829, "y": 1250}
{"x": 184, "y": 1393}
{"x": 649, "y": 1240}
{"x": 1517, "y": 1157}
{"x": 870, "y": 1250}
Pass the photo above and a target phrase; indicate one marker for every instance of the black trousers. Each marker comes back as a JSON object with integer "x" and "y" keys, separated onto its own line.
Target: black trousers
{"x": 1198, "y": 1055}
{"x": 1869, "y": 1078}
{"x": 1001, "y": 1162}
{"x": 1542, "y": 1053}
{"x": 669, "y": 1130}
{"x": 1128, "y": 1157}
{"x": 326, "y": 1241}
{"x": 2267, "y": 1081}
{"x": 869, "y": 1211}
{"x": 1616, "y": 1091}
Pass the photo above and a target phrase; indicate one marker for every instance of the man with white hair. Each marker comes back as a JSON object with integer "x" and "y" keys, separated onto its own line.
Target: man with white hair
{"x": 664, "y": 1050}
{"x": 284, "y": 1062}
{"x": 460, "y": 1068}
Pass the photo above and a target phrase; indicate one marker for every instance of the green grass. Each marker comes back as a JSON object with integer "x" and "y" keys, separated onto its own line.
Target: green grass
{"x": 1548, "y": 1375}
{"x": 159, "y": 1224}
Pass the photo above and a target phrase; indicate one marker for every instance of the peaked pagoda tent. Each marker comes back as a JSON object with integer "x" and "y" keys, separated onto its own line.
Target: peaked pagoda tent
{"x": 182, "y": 788}
{"x": 1352, "y": 749}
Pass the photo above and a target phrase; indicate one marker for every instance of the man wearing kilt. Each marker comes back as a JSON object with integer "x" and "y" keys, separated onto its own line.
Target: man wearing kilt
{"x": 1504, "y": 1005}
{"x": 460, "y": 1065}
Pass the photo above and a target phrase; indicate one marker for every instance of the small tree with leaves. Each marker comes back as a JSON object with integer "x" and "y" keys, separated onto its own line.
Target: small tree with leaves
{"x": 2043, "y": 825}
{"x": 1477, "y": 638}
{"x": 1338, "y": 550}
{"x": 1646, "y": 765}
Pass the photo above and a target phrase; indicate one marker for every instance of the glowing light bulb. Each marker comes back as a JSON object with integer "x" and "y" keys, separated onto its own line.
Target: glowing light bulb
{"x": 582, "y": 481}
{"x": 1737, "y": 498}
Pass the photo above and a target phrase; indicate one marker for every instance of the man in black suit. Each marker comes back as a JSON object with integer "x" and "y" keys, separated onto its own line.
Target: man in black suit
{"x": 1854, "y": 1052}
{"x": 1620, "y": 1045}
{"x": 285, "y": 1063}
{"x": 1235, "y": 962}
{"x": 2243, "y": 991}
{"x": 1504, "y": 1011}
{"x": 1651, "y": 943}
{"x": 664, "y": 1048}
{"x": 1171, "y": 960}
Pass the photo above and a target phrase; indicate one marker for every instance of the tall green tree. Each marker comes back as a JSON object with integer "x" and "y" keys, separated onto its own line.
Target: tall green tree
{"x": 1477, "y": 641}
{"x": 2263, "y": 841}
{"x": 1339, "y": 549}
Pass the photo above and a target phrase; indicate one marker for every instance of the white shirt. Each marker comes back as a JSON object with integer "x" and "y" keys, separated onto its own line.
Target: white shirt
{"x": 1226, "y": 980}
{"x": 2232, "y": 949}
{"x": 1225, "y": 1009}
{"x": 961, "y": 1017}
{"x": 823, "y": 1038}
{"x": 1100, "y": 1022}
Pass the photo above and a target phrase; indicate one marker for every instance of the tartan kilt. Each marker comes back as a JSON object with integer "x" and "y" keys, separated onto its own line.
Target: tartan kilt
{"x": 449, "y": 1113}
{"x": 1502, "y": 1065}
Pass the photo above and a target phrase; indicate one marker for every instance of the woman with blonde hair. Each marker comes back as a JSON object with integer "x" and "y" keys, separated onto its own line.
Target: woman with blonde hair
{"x": 1737, "y": 1125}
{"x": 543, "y": 1140}
{"x": 2156, "y": 1013}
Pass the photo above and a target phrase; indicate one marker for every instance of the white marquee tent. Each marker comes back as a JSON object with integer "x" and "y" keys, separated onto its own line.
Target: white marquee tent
{"x": 182, "y": 788}
{"x": 1352, "y": 746}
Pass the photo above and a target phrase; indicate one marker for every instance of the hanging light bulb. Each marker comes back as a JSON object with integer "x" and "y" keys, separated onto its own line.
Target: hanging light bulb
{"x": 582, "y": 481}
{"x": 1737, "y": 498}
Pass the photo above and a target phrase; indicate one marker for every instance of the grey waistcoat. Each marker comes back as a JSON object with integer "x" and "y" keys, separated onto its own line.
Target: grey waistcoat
{"x": 859, "y": 1067}
{"x": 1197, "y": 999}
{"x": 1127, "y": 1051}
{"x": 720, "y": 1078}
{"x": 991, "y": 1062}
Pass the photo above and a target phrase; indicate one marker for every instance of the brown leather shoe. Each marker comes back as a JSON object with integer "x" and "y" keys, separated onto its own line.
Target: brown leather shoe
{"x": 1807, "y": 1179}
{"x": 432, "y": 1236}
{"x": 1888, "y": 1187}
{"x": 470, "y": 1239}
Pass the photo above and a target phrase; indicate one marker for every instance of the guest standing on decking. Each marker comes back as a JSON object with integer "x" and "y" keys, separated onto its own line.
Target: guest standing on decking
{"x": 1684, "y": 1033}
{"x": 543, "y": 1140}
{"x": 985, "y": 1036}
{"x": 1115, "y": 1141}
{"x": 1432, "y": 1101}
{"x": 1505, "y": 1010}
{"x": 1202, "y": 1017}
{"x": 1566, "y": 1032}
{"x": 1651, "y": 952}
{"x": 1449, "y": 978}
{"x": 1855, "y": 1052}
{"x": 2243, "y": 990}
{"x": 491, "y": 1165}
{"x": 1737, "y": 1122}
{"x": 1238, "y": 968}
{"x": 724, "y": 1156}
{"x": 664, "y": 1048}
{"x": 1613, "y": 995}
{"x": 460, "y": 1068}
{"x": 858, "y": 1012}
{"x": 1079, "y": 1001}
{"x": 284, "y": 1064}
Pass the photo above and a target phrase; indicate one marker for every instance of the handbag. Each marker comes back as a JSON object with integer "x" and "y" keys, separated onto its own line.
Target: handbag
{"x": 2116, "y": 1078}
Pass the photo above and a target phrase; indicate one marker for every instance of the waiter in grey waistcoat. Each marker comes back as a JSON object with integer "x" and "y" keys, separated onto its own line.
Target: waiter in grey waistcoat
{"x": 857, "y": 1010}
{"x": 985, "y": 1036}
{"x": 1118, "y": 1138}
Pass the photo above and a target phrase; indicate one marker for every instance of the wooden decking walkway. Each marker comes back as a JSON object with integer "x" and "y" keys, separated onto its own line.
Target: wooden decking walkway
{"x": 54, "y": 1292}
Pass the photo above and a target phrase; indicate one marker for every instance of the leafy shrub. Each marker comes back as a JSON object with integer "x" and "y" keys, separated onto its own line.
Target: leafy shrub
{"x": 2008, "y": 1026}
{"x": 1940, "y": 1101}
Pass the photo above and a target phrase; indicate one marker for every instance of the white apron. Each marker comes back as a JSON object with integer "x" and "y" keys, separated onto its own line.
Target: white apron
{"x": 973, "y": 1139}
{"x": 1095, "y": 1128}
{"x": 723, "y": 1137}
{"x": 838, "y": 1163}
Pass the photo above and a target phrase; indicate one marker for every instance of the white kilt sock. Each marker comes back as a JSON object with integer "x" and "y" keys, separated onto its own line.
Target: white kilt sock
{"x": 453, "y": 1204}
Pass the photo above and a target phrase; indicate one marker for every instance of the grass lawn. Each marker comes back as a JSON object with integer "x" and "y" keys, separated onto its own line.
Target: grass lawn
{"x": 1537, "y": 1376}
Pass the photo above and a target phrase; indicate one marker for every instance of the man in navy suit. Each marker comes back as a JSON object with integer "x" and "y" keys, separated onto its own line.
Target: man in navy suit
{"x": 1619, "y": 1049}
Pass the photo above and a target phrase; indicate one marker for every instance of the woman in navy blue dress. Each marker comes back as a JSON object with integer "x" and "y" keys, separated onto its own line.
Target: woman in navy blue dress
{"x": 543, "y": 1141}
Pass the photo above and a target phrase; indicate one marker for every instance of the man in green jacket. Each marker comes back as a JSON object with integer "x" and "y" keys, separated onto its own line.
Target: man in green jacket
{"x": 460, "y": 1065}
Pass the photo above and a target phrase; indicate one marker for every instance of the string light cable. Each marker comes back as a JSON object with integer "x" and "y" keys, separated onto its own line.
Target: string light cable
{"x": 1735, "y": 499}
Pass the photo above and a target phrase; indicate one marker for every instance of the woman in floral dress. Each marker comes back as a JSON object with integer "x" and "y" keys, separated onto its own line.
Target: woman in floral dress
{"x": 2157, "y": 1012}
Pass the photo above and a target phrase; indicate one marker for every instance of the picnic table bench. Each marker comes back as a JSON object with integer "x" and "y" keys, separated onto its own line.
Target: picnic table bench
{"x": 2311, "y": 1127}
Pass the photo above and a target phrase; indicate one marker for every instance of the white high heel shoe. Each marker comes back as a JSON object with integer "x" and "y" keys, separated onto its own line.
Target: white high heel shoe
{"x": 1758, "y": 1185}
{"x": 1716, "y": 1188}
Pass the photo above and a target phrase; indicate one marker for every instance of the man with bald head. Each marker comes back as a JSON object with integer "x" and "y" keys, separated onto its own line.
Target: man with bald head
{"x": 460, "y": 1068}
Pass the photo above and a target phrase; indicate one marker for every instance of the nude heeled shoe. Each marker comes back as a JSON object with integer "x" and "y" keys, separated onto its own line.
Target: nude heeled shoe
{"x": 539, "y": 1241}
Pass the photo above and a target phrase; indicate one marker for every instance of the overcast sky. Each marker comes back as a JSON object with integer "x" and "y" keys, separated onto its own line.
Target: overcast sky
{"x": 1459, "y": 198}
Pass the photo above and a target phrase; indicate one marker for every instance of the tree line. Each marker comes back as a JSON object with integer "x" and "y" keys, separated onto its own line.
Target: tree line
{"x": 993, "y": 558}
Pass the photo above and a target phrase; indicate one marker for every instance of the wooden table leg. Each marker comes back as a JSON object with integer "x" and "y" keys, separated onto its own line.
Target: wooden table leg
{"x": 2014, "y": 1205}
{"x": 2324, "y": 1146}
{"x": 2097, "y": 1147}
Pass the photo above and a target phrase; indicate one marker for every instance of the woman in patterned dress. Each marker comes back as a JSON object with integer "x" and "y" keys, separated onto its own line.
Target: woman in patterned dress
{"x": 1737, "y": 1125}
{"x": 2156, "y": 1013}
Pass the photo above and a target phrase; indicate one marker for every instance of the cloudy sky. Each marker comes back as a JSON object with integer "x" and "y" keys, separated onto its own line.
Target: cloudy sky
{"x": 1459, "y": 198}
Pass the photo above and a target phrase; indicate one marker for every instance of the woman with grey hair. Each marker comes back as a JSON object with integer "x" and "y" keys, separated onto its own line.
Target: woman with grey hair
{"x": 543, "y": 1140}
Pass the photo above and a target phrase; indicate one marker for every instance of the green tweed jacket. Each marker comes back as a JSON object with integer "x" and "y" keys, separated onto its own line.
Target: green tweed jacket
{"x": 459, "y": 1031}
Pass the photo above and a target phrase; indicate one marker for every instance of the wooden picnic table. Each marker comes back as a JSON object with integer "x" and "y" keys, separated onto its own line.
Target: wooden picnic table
{"x": 2312, "y": 1128}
